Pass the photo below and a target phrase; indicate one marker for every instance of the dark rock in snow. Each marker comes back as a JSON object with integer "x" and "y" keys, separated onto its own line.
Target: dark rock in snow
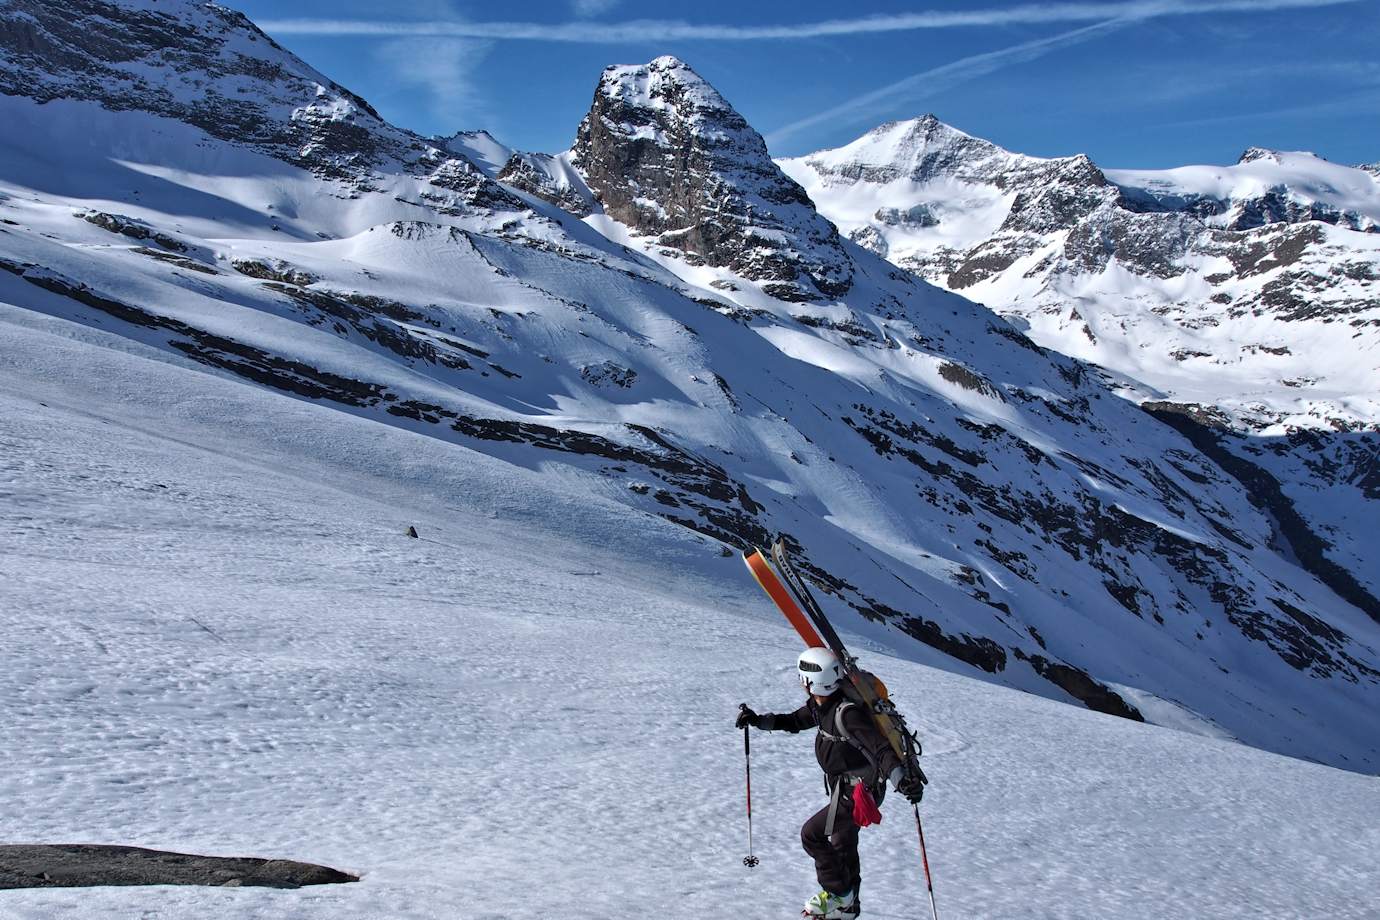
{"x": 78, "y": 865}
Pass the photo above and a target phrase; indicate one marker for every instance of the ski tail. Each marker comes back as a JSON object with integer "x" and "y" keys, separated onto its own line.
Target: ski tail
{"x": 771, "y": 583}
{"x": 809, "y": 604}
{"x": 864, "y": 687}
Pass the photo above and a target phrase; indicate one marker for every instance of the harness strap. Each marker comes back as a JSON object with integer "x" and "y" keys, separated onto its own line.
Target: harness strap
{"x": 833, "y": 809}
{"x": 836, "y": 793}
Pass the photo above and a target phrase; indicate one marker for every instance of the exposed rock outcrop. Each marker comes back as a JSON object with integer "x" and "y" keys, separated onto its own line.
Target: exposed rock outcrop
{"x": 667, "y": 156}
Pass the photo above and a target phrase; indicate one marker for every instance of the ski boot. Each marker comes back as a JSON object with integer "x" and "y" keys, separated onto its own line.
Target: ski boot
{"x": 826, "y": 906}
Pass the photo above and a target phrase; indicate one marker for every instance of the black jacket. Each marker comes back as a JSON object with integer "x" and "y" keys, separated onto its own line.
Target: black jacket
{"x": 835, "y": 755}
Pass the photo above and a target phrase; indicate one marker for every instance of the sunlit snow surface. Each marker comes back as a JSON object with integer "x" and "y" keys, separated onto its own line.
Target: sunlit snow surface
{"x": 219, "y": 640}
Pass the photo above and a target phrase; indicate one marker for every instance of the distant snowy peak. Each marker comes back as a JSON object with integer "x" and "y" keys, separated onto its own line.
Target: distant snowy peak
{"x": 922, "y": 194}
{"x": 210, "y": 67}
{"x": 919, "y": 150}
{"x": 1251, "y": 154}
{"x": 1263, "y": 187}
{"x": 1220, "y": 285}
{"x": 1372, "y": 168}
{"x": 667, "y": 156}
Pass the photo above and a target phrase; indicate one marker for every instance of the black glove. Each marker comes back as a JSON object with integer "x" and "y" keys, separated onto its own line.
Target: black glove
{"x": 747, "y": 717}
{"x": 913, "y": 788}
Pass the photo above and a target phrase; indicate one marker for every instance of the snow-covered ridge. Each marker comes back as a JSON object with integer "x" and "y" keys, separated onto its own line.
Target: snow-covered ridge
{"x": 1264, "y": 186}
{"x": 958, "y": 492}
{"x": 481, "y": 148}
{"x": 209, "y": 66}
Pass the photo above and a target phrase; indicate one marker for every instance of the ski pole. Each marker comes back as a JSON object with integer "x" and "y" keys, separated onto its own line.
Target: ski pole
{"x": 924, "y": 858}
{"x": 748, "y": 860}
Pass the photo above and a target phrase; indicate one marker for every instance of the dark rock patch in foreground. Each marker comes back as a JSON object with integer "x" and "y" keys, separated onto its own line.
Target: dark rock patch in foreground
{"x": 78, "y": 865}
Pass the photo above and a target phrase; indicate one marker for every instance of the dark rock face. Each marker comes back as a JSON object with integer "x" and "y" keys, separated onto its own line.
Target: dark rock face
{"x": 535, "y": 174}
{"x": 134, "y": 229}
{"x": 667, "y": 156}
{"x": 1073, "y": 195}
{"x": 76, "y": 865}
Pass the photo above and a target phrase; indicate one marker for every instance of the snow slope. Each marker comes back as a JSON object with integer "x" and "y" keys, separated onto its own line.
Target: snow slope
{"x": 219, "y": 640}
{"x": 986, "y": 505}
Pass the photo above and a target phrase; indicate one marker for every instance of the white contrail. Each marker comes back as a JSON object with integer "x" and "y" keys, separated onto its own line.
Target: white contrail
{"x": 644, "y": 30}
{"x": 941, "y": 78}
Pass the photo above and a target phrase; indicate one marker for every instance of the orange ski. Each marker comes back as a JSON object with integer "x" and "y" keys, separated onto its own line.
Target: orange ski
{"x": 762, "y": 571}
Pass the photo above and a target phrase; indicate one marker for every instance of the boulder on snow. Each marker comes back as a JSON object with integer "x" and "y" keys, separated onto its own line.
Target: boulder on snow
{"x": 79, "y": 865}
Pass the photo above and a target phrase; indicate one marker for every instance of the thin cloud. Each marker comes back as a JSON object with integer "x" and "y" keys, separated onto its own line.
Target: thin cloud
{"x": 1164, "y": 84}
{"x": 940, "y": 79}
{"x": 645, "y": 30}
{"x": 1366, "y": 101}
{"x": 584, "y": 9}
{"x": 442, "y": 68}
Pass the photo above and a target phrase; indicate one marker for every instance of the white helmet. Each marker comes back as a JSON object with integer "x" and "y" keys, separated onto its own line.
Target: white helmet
{"x": 819, "y": 671}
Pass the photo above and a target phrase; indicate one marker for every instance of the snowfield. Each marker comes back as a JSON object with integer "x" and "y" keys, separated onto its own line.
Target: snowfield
{"x": 218, "y": 640}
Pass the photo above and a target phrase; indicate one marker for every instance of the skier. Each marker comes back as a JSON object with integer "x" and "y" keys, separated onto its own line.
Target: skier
{"x": 856, "y": 760}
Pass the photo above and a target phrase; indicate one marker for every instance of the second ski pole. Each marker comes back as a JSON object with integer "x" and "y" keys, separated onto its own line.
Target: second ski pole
{"x": 748, "y": 860}
{"x": 925, "y": 859}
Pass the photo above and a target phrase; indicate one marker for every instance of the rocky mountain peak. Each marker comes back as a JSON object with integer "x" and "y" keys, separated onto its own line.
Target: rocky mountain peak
{"x": 668, "y": 84}
{"x": 665, "y": 154}
{"x": 1252, "y": 154}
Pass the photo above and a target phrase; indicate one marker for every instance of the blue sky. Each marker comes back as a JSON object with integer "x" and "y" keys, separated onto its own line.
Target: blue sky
{"x": 1132, "y": 83}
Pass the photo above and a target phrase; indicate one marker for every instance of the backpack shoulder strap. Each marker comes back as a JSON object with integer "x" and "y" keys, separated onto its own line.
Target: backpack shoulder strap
{"x": 839, "y": 733}
{"x": 851, "y": 741}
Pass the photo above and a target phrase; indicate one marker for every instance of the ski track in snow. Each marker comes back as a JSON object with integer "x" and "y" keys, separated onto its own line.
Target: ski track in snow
{"x": 218, "y": 640}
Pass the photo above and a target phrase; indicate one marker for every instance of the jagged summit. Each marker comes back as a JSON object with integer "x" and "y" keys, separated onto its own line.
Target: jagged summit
{"x": 664, "y": 83}
{"x": 665, "y": 154}
{"x": 1252, "y": 154}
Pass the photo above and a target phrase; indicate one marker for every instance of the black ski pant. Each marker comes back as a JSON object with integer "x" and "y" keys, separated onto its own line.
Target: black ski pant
{"x": 836, "y": 856}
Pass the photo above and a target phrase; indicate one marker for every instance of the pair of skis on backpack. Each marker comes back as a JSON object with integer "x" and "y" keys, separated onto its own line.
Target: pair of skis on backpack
{"x": 787, "y": 590}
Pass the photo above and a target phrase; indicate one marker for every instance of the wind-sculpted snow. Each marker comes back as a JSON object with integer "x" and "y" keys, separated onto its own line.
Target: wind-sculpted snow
{"x": 954, "y": 489}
